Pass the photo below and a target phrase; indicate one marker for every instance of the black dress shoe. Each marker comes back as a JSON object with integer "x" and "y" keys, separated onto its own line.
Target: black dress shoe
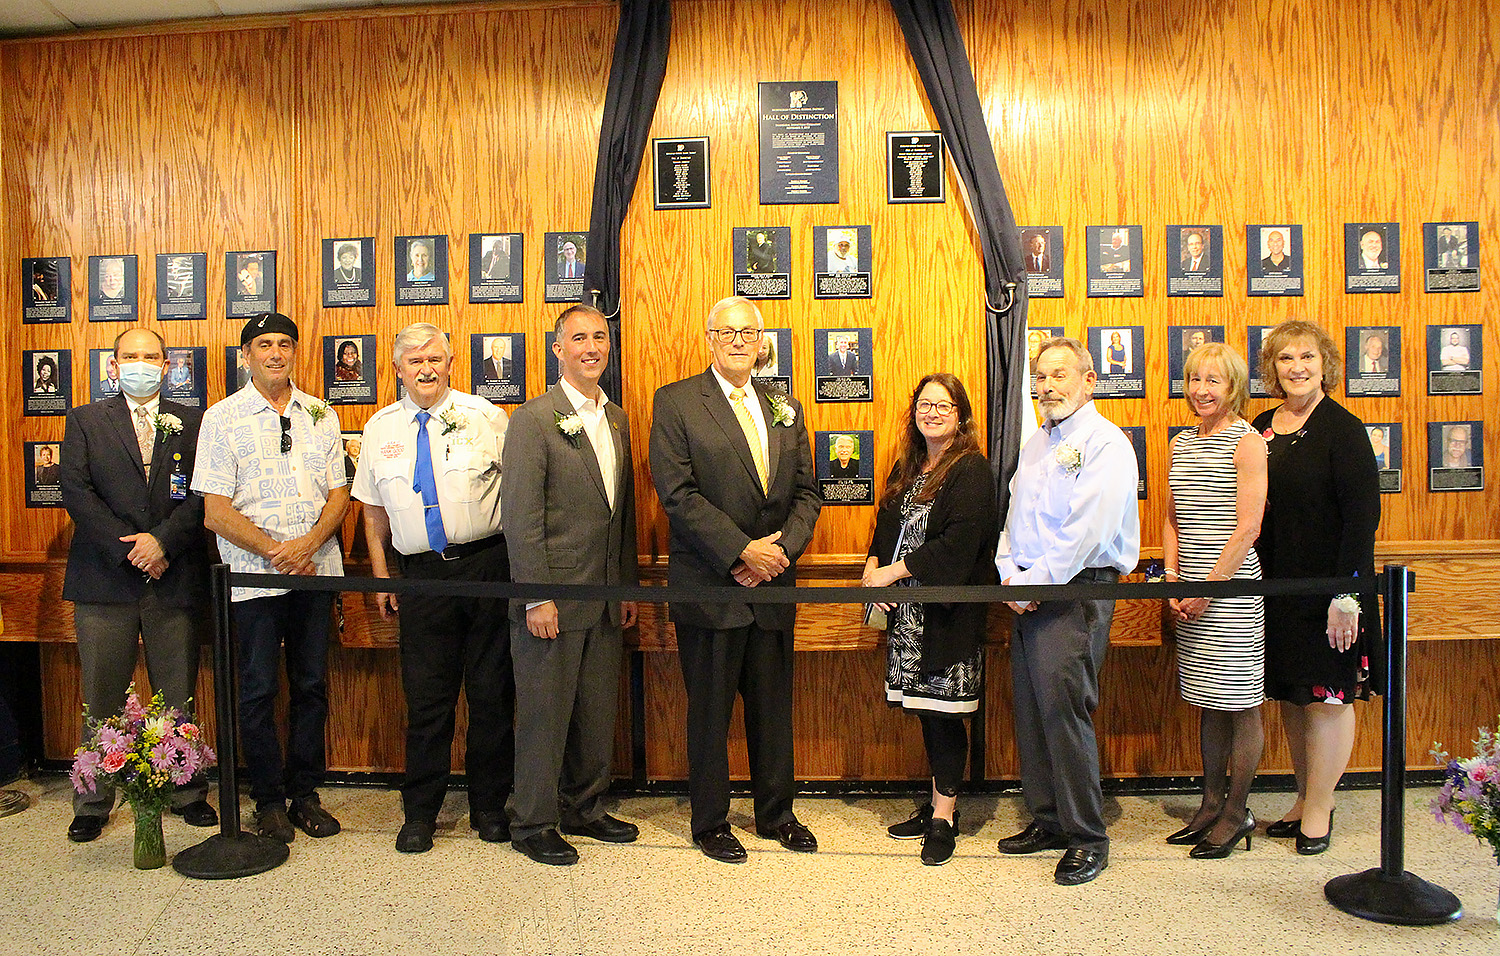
{"x": 721, "y": 844}
{"x": 199, "y": 813}
{"x": 1190, "y": 834}
{"x": 937, "y": 846}
{"x": 1284, "y": 828}
{"x": 1209, "y": 850}
{"x": 493, "y": 825}
{"x": 1080, "y": 866}
{"x": 607, "y": 828}
{"x": 312, "y": 819}
{"x": 547, "y": 847}
{"x": 1033, "y": 839}
{"x": 792, "y": 835}
{"x": 85, "y": 828}
{"x": 415, "y": 837}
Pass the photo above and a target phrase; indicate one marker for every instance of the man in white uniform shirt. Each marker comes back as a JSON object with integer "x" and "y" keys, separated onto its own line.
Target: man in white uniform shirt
{"x": 270, "y": 469}
{"x": 1073, "y": 519}
{"x": 429, "y": 476}
{"x": 570, "y": 518}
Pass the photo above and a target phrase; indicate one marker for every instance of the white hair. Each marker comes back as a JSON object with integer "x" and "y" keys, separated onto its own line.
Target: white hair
{"x": 417, "y": 335}
{"x": 730, "y": 302}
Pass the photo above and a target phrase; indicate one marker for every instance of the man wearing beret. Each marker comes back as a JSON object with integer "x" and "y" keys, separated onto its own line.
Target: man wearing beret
{"x": 271, "y": 472}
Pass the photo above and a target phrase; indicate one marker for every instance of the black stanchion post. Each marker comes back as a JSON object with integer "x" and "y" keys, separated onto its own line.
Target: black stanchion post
{"x": 638, "y": 719}
{"x": 1388, "y": 893}
{"x": 231, "y": 852}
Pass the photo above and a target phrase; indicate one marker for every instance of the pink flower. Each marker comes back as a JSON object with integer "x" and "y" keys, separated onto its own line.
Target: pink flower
{"x": 188, "y": 729}
{"x": 112, "y": 740}
{"x": 133, "y": 709}
{"x": 112, "y": 762}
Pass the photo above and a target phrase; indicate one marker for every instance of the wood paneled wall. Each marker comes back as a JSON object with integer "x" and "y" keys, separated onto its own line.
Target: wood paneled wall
{"x": 278, "y": 132}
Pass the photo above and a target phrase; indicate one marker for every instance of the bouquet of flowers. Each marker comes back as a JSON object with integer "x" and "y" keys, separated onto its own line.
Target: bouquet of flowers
{"x": 1470, "y": 798}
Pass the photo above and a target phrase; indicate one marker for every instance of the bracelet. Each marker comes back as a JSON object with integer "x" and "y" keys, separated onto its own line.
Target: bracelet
{"x": 1347, "y": 603}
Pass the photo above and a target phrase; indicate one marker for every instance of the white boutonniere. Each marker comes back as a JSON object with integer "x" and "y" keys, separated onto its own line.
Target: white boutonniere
{"x": 167, "y": 424}
{"x": 1069, "y": 458}
{"x": 782, "y": 412}
{"x": 316, "y": 411}
{"x": 452, "y": 421}
{"x": 571, "y": 427}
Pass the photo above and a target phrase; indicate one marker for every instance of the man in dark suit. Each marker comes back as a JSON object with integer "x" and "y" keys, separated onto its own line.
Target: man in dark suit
{"x": 568, "y": 505}
{"x": 844, "y": 360}
{"x": 138, "y": 562}
{"x": 1038, "y": 259}
{"x": 497, "y": 368}
{"x": 496, "y": 261}
{"x": 733, "y": 469}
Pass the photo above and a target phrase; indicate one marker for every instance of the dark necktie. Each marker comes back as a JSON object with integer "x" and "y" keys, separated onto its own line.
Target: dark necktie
{"x": 425, "y": 484}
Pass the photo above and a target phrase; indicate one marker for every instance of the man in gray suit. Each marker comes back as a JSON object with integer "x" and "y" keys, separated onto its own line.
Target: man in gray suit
{"x": 734, "y": 471}
{"x": 568, "y": 505}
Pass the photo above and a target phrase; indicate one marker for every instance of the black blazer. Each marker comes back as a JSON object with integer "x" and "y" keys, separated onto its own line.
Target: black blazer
{"x": 705, "y": 478}
{"x": 105, "y": 491}
{"x": 963, "y": 529}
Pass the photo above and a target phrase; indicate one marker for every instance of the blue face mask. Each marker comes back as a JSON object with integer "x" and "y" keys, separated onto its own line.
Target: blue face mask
{"x": 140, "y": 379}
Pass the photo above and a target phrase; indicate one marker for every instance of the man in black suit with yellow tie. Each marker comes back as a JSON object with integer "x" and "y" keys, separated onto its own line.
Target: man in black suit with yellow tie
{"x": 734, "y": 471}
{"x": 138, "y": 562}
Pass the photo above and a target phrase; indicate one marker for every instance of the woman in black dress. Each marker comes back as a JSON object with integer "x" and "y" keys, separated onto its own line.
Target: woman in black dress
{"x": 937, "y": 525}
{"x": 1322, "y": 508}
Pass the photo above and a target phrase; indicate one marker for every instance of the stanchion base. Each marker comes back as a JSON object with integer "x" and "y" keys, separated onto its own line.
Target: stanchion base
{"x": 13, "y": 801}
{"x": 1407, "y": 900}
{"x": 223, "y": 857}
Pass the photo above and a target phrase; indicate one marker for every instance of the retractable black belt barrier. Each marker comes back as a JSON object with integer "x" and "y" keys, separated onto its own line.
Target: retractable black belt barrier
{"x": 1386, "y": 894}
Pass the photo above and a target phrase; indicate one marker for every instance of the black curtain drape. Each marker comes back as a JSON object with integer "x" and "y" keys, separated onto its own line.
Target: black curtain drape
{"x": 635, "y": 78}
{"x": 937, "y": 48}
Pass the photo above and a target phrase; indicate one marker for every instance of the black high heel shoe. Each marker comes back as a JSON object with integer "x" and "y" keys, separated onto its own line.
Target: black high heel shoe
{"x": 1284, "y": 828}
{"x": 1311, "y": 846}
{"x": 1190, "y": 834}
{"x": 1209, "y": 850}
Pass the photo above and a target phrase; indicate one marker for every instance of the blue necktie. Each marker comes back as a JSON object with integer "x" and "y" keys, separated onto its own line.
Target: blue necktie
{"x": 426, "y": 485}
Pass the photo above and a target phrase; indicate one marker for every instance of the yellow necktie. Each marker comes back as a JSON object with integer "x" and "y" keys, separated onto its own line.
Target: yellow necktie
{"x": 747, "y": 423}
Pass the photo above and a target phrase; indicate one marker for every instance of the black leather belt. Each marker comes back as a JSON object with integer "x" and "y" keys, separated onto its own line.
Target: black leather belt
{"x": 453, "y": 552}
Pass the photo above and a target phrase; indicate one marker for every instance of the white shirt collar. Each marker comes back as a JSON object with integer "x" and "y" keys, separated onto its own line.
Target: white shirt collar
{"x": 152, "y": 407}
{"x": 410, "y": 407}
{"x": 727, "y": 386}
{"x": 578, "y": 399}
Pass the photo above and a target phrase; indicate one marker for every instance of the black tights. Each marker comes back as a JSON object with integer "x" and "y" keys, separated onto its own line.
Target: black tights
{"x": 947, "y": 743}
{"x": 1232, "y": 742}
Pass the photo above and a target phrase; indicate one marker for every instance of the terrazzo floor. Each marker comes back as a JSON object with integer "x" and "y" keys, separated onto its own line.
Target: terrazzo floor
{"x": 863, "y": 893}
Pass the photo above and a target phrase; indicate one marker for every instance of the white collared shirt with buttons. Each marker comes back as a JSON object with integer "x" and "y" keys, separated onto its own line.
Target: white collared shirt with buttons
{"x": 239, "y": 458}
{"x": 601, "y": 435}
{"x": 465, "y": 464}
{"x": 752, "y": 402}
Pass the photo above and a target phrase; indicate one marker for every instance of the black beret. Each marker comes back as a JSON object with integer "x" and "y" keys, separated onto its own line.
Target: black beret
{"x": 267, "y": 323}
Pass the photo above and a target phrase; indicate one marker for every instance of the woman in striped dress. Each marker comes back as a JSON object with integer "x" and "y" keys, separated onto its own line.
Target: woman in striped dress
{"x": 1216, "y": 497}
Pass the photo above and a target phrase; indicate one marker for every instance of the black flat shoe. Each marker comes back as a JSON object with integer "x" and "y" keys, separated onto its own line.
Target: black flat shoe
{"x": 1312, "y": 846}
{"x": 937, "y": 846}
{"x": 547, "y": 847}
{"x": 1209, "y": 850}
{"x": 493, "y": 825}
{"x": 85, "y": 828}
{"x": 415, "y": 837}
{"x": 1079, "y": 866}
{"x": 792, "y": 835}
{"x": 607, "y": 829}
{"x": 1282, "y": 829}
{"x": 914, "y": 828}
{"x": 199, "y": 813}
{"x": 1190, "y": 834}
{"x": 1033, "y": 839}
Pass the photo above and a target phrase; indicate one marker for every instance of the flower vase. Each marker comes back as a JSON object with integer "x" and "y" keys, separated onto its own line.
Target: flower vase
{"x": 150, "y": 845}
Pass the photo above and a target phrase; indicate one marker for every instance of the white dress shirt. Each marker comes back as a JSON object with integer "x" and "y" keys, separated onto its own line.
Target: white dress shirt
{"x": 601, "y": 435}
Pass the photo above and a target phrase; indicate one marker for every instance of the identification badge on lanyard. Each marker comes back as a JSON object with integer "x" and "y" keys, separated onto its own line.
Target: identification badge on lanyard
{"x": 177, "y": 483}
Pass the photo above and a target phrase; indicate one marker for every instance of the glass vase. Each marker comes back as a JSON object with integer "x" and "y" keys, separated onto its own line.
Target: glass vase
{"x": 150, "y": 845}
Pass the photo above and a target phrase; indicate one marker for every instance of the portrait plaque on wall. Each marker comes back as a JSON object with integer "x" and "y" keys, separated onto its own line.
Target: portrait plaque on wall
{"x": 1114, "y": 261}
{"x": 1372, "y": 360}
{"x": 249, "y": 283}
{"x": 1195, "y": 260}
{"x": 348, "y": 272}
{"x": 495, "y": 267}
{"x": 1035, "y": 336}
{"x": 914, "y": 167}
{"x": 1385, "y": 442}
{"x": 763, "y": 262}
{"x": 842, "y": 362}
{"x": 680, "y": 171}
{"x": 1455, "y": 360}
{"x": 799, "y": 142}
{"x": 497, "y": 363}
{"x": 43, "y": 474}
{"x": 1273, "y": 260}
{"x": 1137, "y": 436}
{"x": 1042, "y": 251}
{"x": 845, "y": 466}
{"x": 104, "y": 375}
{"x": 1372, "y": 257}
{"x": 421, "y": 270}
{"x": 773, "y": 363}
{"x": 1455, "y": 456}
{"x": 841, "y": 262}
{"x": 46, "y": 382}
{"x": 349, "y": 369}
{"x": 46, "y": 290}
{"x": 1450, "y": 256}
{"x": 1255, "y": 337}
{"x": 1120, "y": 356}
{"x": 112, "y": 289}
{"x": 564, "y": 257}
{"x": 236, "y": 374}
{"x": 354, "y": 443}
{"x": 1182, "y": 339}
{"x": 186, "y": 380}
{"x": 182, "y": 285}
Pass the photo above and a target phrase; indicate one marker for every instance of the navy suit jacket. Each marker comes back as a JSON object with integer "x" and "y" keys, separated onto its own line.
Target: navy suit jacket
{"x": 107, "y": 495}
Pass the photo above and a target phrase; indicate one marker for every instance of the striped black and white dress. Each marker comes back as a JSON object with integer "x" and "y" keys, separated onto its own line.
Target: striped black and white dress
{"x": 1221, "y": 656}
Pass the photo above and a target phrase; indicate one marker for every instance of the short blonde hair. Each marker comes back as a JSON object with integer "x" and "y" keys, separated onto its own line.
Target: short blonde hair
{"x": 1230, "y": 363}
{"x": 1288, "y": 332}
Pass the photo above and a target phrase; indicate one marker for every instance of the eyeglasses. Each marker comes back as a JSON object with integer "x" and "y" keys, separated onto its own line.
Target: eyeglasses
{"x": 286, "y": 435}
{"x": 942, "y": 408}
{"x": 726, "y": 336}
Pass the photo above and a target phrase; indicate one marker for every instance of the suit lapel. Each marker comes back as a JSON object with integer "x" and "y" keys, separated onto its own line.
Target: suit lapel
{"x": 615, "y": 416}
{"x": 718, "y": 407}
{"x": 588, "y": 453}
{"x": 117, "y": 413}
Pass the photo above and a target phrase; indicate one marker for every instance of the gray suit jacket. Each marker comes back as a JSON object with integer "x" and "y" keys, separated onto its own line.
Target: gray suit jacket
{"x": 705, "y": 478}
{"x": 558, "y": 523}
